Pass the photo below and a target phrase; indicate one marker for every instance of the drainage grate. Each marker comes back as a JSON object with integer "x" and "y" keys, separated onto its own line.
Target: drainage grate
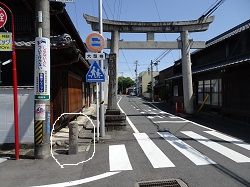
{"x": 162, "y": 183}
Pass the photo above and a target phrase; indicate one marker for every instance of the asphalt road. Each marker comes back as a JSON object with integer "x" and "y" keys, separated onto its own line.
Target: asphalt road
{"x": 156, "y": 145}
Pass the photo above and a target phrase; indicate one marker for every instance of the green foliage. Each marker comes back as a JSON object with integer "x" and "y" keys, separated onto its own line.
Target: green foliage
{"x": 123, "y": 83}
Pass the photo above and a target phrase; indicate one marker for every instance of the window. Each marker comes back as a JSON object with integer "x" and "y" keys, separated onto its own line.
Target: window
{"x": 209, "y": 91}
{"x": 175, "y": 90}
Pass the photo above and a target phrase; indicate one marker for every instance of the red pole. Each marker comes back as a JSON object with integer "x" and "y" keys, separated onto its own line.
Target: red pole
{"x": 14, "y": 76}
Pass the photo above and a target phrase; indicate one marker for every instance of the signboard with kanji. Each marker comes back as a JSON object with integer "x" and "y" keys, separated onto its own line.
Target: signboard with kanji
{"x": 5, "y": 41}
{"x": 3, "y": 17}
{"x": 42, "y": 68}
{"x": 94, "y": 56}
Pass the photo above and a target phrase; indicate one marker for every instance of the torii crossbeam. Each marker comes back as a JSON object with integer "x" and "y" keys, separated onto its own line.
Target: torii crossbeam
{"x": 182, "y": 27}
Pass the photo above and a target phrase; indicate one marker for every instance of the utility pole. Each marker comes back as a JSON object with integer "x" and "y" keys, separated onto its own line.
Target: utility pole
{"x": 156, "y": 65}
{"x": 102, "y": 119}
{"x": 136, "y": 77}
{"x": 42, "y": 81}
{"x": 152, "y": 81}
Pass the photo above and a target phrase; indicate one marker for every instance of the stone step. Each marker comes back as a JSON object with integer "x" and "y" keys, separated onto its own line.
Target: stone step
{"x": 115, "y": 124}
{"x": 85, "y": 136}
{"x": 120, "y": 117}
{"x": 113, "y": 112}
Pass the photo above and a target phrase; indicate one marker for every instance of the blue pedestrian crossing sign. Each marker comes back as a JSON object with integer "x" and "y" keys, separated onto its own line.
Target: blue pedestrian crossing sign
{"x": 95, "y": 73}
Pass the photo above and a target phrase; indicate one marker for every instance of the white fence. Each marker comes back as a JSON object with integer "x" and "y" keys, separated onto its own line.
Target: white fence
{"x": 26, "y": 115}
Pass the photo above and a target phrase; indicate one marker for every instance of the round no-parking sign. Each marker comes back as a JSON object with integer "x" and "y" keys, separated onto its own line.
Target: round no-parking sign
{"x": 3, "y": 17}
{"x": 95, "y": 42}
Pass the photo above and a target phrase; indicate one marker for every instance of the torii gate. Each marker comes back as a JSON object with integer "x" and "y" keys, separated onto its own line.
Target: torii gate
{"x": 182, "y": 27}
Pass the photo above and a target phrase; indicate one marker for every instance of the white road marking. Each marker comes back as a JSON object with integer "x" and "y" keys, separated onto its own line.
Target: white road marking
{"x": 229, "y": 139}
{"x": 169, "y": 121}
{"x": 142, "y": 112}
{"x": 154, "y": 109}
{"x": 162, "y": 112}
{"x": 149, "y": 110}
{"x": 3, "y": 160}
{"x": 118, "y": 158}
{"x": 150, "y": 117}
{"x": 173, "y": 117}
{"x": 128, "y": 120}
{"x": 137, "y": 109}
{"x": 160, "y": 117}
{"x": 197, "y": 124}
{"x": 81, "y": 181}
{"x": 192, "y": 154}
{"x": 157, "y": 158}
{"x": 229, "y": 153}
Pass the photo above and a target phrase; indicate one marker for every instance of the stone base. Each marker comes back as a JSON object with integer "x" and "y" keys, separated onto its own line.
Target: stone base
{"x": 115, "y": 120}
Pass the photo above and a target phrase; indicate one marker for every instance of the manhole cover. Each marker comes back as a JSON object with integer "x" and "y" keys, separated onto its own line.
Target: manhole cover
{"x": 162, "y": 183}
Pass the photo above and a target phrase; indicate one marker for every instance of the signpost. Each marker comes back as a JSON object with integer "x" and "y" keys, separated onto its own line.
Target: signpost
{"x": 3, "y": 20}
{"x": 95, "y": 43}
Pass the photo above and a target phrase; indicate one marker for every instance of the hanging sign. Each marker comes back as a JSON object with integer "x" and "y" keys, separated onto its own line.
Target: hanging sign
{"x": 3, "y": 17}
{"x": 42, "y": 69}
{"x": 5, "y": 41}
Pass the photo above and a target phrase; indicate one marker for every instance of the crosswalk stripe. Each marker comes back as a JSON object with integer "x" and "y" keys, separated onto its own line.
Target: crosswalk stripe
{"x": 118, "y": 158}
{"x": 3, "y": 160}
{"x": 157, "y": 158}
{"x": 170, "y": 121}
{"x": 229, "y": 139}
{"x": 229, "y": 153}
{"x": 192, "y": 154}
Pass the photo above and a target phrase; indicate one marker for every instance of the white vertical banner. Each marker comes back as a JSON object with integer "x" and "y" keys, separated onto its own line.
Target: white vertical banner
{"x": 42, "y": 69}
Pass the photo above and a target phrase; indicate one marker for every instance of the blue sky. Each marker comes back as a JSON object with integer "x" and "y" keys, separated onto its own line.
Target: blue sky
{"x": 228, "y": 15}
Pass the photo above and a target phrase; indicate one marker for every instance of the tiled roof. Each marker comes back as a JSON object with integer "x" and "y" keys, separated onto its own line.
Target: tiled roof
{"x": 217, "y": 66}
{"x": 222, "y": 65}
{"x": 238, "y": 29}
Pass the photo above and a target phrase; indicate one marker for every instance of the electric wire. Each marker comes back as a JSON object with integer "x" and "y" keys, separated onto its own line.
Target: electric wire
{"x": 127, "y": 63}
{"x": 76, "y": 20}
{"x": 114, "y": 8}
{"x": 106, "y": 2}
{"x": 105, "y": 12}
{"x": 212, "y": 9}
{"x": 166, "y": 51}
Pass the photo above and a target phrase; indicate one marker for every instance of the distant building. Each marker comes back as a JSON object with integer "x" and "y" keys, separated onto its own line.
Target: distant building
{"x": 220, "y": 75}
{"x": 144, "y": 79}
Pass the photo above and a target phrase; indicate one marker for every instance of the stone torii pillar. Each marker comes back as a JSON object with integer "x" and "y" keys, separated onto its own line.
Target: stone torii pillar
{"x": 187, "y": 73}
{"x": 113, "y": 69}
{"x": 182, "y": 27}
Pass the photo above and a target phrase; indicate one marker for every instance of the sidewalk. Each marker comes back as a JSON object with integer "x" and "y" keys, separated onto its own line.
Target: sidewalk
{"x": 60, "y": 140}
